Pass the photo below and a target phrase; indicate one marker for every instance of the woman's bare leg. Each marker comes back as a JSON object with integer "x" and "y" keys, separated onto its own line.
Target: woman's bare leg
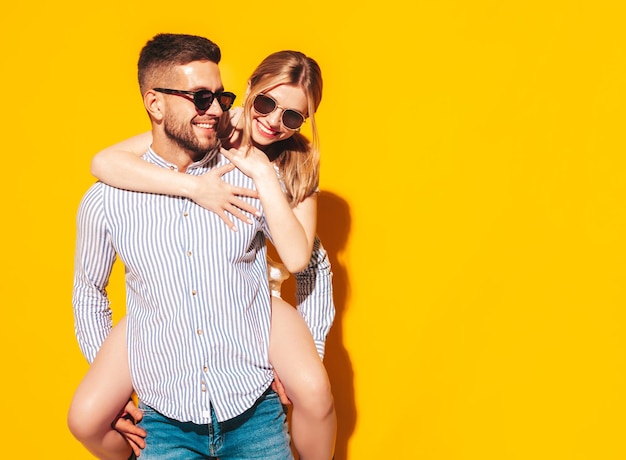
{"x": 302, "y": 373}
{"x": 100, "y": 397}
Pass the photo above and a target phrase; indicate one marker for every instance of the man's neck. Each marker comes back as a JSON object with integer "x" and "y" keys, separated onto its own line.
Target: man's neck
{"x": 173, "y": 153}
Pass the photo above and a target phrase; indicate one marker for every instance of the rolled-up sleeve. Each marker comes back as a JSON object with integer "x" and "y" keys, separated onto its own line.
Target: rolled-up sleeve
{"x": 314, "y": 296}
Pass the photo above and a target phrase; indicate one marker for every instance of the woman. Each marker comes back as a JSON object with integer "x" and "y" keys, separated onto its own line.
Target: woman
{"x": 263, "y": 140}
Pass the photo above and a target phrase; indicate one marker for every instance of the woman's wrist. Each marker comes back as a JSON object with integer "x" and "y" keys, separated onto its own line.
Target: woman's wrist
{"x": 188, "y": 185}
{"x": 265, "y": 176}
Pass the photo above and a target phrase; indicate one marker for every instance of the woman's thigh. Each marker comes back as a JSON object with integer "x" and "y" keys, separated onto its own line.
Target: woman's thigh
{"x": 107, "y": 386}
{"x": 292, "y": 351}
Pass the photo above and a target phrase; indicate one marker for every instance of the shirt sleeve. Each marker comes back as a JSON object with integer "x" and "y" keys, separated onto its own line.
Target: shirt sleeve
{"x": 93, "y": 263}
{"x": 314, "y": 295}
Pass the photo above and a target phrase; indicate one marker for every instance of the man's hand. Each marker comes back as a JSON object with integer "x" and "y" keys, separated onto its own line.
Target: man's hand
{"x": 126, "y": 425}
{"x": 212, "y": 193}
{"x": 278, "y": 387}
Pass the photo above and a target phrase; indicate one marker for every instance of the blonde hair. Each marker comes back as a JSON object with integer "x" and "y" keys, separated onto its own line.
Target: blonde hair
{"x": 297, "y": 158}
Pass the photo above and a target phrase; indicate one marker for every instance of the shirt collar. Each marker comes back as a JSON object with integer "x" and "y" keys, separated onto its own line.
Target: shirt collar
{"x": 211, "y": 157}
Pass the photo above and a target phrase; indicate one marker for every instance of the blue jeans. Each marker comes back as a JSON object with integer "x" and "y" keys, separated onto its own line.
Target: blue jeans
{"x": 261, "y": 432}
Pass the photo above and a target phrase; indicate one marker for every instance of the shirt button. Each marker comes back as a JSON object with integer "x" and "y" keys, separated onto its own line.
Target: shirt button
{"x": 172, "y": 168}
{"x": 199, "y": 331}
{"x": 189, "y": 253}
{"x": 205, "y": 369}
{"x": 194, "y": 292}
{"x": 186, "y": 214}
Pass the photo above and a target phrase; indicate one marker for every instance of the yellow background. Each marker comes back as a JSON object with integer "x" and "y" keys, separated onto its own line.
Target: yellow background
{"x": 473, "y": 203}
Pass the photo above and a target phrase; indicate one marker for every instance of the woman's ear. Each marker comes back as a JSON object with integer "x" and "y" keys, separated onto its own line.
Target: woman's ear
{"x": 153, "y": 104}
{"x": 245, "y": 96}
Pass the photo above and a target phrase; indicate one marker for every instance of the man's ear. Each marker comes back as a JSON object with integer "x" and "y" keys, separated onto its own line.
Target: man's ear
{"x": 153, "y": 104}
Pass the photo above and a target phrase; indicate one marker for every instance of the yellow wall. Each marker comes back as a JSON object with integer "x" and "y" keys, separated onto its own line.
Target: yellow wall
{"x": 473, "y": 201}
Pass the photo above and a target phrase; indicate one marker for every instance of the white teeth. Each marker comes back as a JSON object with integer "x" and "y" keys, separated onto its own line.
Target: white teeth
{"x": 205, "y": 125}
{"x": 265, "y": 130}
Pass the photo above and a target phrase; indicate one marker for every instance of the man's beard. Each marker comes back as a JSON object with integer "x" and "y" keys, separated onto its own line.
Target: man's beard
{"x": 185, "y": 138}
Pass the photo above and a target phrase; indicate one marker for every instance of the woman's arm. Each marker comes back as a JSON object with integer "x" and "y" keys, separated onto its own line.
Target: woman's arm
{"x": 292, "y": 230}
{"x": 121, "y": 166}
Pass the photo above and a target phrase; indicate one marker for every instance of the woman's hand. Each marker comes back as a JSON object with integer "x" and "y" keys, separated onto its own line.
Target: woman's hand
{"x": 212, "y": 193}
{"x": 252, "y": 162}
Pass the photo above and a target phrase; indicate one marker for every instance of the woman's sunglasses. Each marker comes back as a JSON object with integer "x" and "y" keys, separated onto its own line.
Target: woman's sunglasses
{"x": 291, "y": 119}
{"x": 204, "y": 98}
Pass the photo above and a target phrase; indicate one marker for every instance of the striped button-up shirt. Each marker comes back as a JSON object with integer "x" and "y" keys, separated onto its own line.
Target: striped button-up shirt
{"x": 198, "y": 302}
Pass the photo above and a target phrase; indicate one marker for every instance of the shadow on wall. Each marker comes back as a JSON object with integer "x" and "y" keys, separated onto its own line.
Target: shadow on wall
{"x": 333, "y": 228}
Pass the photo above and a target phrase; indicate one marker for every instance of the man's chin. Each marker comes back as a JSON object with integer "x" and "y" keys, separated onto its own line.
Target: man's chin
{"x": 208, "y": 148}
{"x": 212, "y": 147}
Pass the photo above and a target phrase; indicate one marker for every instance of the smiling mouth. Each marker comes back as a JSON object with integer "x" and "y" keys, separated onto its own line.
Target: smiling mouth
{"x": 206, "y": 125}
{"x": 265, "y": 130}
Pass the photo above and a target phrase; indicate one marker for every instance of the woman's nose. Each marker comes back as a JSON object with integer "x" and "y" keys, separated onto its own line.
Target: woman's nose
{"x": 274, "y": 117}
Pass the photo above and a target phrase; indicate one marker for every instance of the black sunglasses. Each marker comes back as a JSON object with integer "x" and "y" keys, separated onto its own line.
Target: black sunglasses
{"x": 291, "y": 119}
{"x": 204, "y": 98}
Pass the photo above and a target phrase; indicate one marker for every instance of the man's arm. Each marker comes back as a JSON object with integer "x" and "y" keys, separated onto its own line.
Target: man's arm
{"x": 314, "y": 295}
{"x": 93, "y": 263}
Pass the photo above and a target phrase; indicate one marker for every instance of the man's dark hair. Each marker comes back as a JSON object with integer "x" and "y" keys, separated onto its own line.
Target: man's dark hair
{"x": 164, "y": 51}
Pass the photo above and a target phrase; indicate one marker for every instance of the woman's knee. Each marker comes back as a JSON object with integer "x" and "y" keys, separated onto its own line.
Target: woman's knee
{"x": 314, "y": 396}
{"x": 81, "y": 420}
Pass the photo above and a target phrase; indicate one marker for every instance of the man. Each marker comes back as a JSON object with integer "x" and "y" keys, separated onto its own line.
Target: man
{"x": 198, "y": 302}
